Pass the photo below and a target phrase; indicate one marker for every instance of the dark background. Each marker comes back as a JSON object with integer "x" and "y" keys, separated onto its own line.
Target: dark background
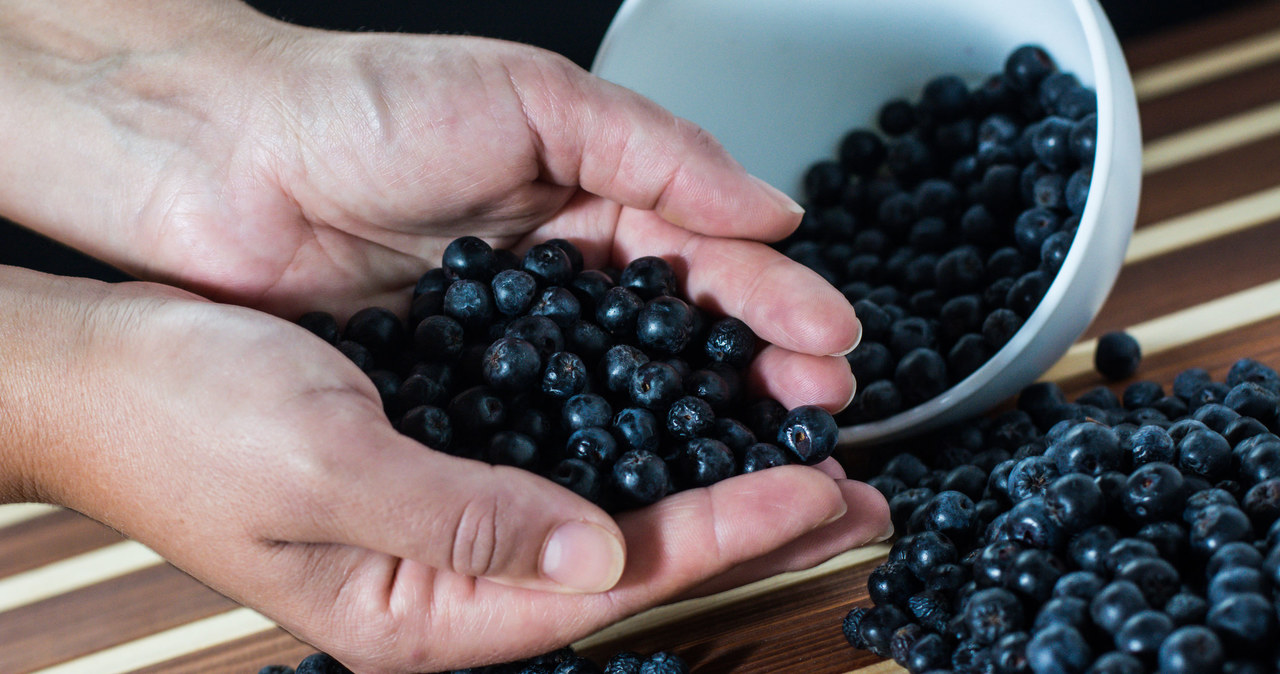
{"x": 571, "y": 27}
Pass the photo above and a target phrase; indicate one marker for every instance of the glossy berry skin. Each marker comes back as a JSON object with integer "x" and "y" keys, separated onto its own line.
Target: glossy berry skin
{"x": 663, "y": 662}
{"x": 539, "y": 331}
{"x": 1058, "y": 649}
{"x": 705, "y": 462}
{"x": 1115, "y": 603}
{"x": 762, "y": 455}
{"x": 637, "y": 428}
{"x": 439, "y": 337}
{"x": 808, "y": 433}
{"x": 469, "y": 302}
{"x": 477, "y": 408}
{"x": 649, "y": 277}
{"x": 377, "y": 329}
{"x": 992, "y": 613}
{"x": 640, "y": 477}
{"x": 592, "y": 444}
{"x": 322, "y": 324}
{"x": 619, "y": 365}
{"x": 1117, "y": 355}
{"x": 585, "y": 410}
{"x": 655, "y": 386}
{"x": 730, "y": 341}
{"x": 690, "y": 417}
{"x": 665, "y": 325}
{"x": 320, "y": 663}
{"x": 1193, "y": 649}
{"x": 1142, "y": 634}
{"x": 580, "y": 477}
{"x": 618, "y": 309}
{"x": 468, "y": 257}
{"x": 512, "y": 448}
{"x": 1156, "y": 578}
{"x": 1153, "y": 492}
{"x": 512, "y": 364}
{"x": 1026, "y": 66}
{"x": 1074, "y": 501}
{"x": 549, "y": 264}
{"x": 429, "y": 425}
{"x": 1206, "y": 453}
{"x": 1215, "y": 526}
{"x": 564, "y": 375}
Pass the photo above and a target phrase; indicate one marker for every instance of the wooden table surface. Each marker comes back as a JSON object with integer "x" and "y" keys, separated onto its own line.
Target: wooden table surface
{"x": 1200, "y": 287}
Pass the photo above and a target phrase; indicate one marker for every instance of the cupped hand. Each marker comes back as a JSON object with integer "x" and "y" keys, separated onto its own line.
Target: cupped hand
{"x": 257, "y": 458}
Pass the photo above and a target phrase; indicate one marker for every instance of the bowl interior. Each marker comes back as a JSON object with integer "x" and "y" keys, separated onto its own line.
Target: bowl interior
{"x": 779, "y": 83}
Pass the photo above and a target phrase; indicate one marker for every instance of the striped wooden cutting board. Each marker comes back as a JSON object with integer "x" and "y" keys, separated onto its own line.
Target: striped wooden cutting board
{"x": 1200, "y": 287}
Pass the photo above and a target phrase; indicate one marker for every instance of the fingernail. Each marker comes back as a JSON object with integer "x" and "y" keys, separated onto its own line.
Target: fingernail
{"x": 582, "y": 557}
{"x": 779, "y": 196}
{"x": 853, "y": 392}
{"x": 857, "y": 339}
{"x": 844, "y": 508}
{"x": 886, "y": 535}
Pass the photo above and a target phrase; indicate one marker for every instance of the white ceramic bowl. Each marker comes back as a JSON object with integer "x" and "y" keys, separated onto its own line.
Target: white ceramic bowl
{"x": 779, "y": 82}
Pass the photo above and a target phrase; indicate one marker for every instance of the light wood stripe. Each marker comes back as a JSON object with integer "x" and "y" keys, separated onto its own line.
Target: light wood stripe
{"x": 885, "y": 667}
{"x": 1180, "y": 148}
{"x": 1198, "y": 68}
{"x": 1181, "y": 327}
{"x": 17, "y": 513}
{"x": 74, "y": 573}
{"x": 663, "y": 615}
{"x": 167, "y": 645}
{"x": 1203, "y": 225}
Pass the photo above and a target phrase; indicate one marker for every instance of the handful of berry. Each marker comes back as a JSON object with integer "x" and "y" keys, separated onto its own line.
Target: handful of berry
{"x": 946, "y": 230}
{"x": 1112, "y": 534}
{"x": 563, "y": 661}
{"x": 608, "y": 383}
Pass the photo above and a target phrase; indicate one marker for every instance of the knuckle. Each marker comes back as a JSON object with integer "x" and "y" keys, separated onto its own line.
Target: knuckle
{"x": 477, "y": 546}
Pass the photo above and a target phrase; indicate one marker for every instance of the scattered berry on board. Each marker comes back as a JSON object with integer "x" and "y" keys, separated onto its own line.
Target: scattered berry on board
{"x": 947, "y": 226}
{"x": 1131, "y": 533}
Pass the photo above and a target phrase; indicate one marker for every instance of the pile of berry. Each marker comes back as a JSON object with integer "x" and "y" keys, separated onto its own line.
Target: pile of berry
{"x": 606, "y": 382}
{"x": 1111, "y": 534}
{"x": 563, "y": 661}
{"x": 946, "y": 231}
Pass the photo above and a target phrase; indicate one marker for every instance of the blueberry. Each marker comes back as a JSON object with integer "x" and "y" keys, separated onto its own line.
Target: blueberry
{"x": 1072, "y": 611}
{"x": 929, "y": 652}
{"x": 1119, "y": 600}
{"x": 1076, "y": 191}
{"x": 1078, "y": 584}
{"x": 1206, "y": 453}
{"x": 921, "y": 375}
{"x": 432, "y": 280}
{"x": 1216, "y": 525}
{"x": 1032, "y": 227}
{"x": 468, "y": 257}
{"x": 618, "y": 309}
{"x": 1262, "y": 503}
{"x": 663, "y": 662}
{"x": 512, "y": 448}
{"x": 1117, "y": 355}
{"x": 1193, "y": 649}
{"x": 378, "y": 330}
{"x": 1030, "y": 477}
{"x": 640, "y": 478}
{"x": 1089, "y": 448}
{"x": 665, "y": 324}
{"x": 590, "y": 286}
{"x": 1051, "y": 142}
{"x": 559, "y": 304}
{"x": 512, "y": 364}
{"x": 637, "y": 428}
{"x": 1000, "y": 326}
{"x": 896, "y": 117}
{"x": 1155, "y": 491}
{"x": 1074, "y": 501}
{"x": 580, "y": 477}
{"x": 1027, "y": 291}
{"x": 320, "y": 663}
{"x": 1026, "y": 66}
{"x": 808, "y": 433}
{"x": 950, "y": 513}
{"x": 322, "y": 324}
{"x": 549, "y": 264}
{"x": 1142, "y": 634}
{"x": 584, "y": 410}
{"x": 1186, "y": 608}
{"x": 477, "y": 408}
{"x": 619, "y": 365}
{"x": 761, "y": 455}
{"x": 705, "y": 461}
{"x": 909, "y": 159}
{"x": 1058, "y": 649}
{"x": 539, "y": 331}
{"x": 861, "y": 152}
{"x": 429, "y": 425}
{"x": 824, "y": 183}
{"x": 689, "y": 417}
{"x": 730, "y": 341}
{"x": 655, "y": 385}
{"x": 1156, "y": 578}
{"x": 649, "y": 277}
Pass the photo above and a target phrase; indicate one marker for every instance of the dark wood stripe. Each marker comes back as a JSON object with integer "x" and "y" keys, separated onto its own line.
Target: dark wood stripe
{"x": 1191, "y": 276}
{"x": 49, "y": 538}
{"x": 1229, "y": 26}
{"x": 1212, "y": 180}
{"x": 103, "y": 615}
{"x": 797, "y": 630}
{"x": 1201, "y": 104}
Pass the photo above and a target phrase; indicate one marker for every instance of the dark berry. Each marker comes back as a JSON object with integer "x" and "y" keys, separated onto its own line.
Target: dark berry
{"x": 808, "y": 433}
{"x": 640, "y": 478}
{"x": 1117, "y": 355}
{"x": 468, "y": 257}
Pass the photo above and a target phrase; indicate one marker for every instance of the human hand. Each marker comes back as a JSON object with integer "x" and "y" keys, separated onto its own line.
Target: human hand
{"x": 258, "y": 459}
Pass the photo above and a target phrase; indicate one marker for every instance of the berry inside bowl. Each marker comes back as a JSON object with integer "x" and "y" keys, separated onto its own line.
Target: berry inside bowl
{"x": 781, "y": 83}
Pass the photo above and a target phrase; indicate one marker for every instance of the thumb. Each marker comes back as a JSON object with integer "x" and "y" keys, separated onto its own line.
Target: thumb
{"x": 622, "y": 146}
{"x": 496, "y": 522}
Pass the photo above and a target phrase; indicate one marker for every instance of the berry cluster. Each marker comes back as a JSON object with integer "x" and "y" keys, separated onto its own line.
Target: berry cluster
{"x": 563, "y": 661}
{"x": 1112, "y": 534}
{"x": 946, "y": 231}
{"x": 608, "y": 383}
